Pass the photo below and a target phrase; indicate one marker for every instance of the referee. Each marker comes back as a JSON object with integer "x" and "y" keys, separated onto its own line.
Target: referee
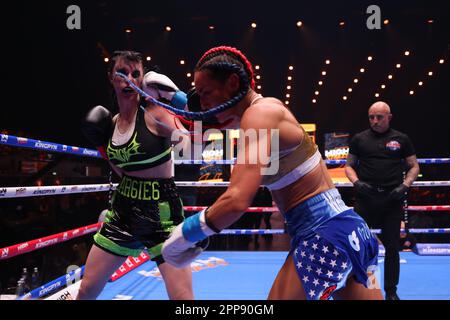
{"x": 377, "y": 161}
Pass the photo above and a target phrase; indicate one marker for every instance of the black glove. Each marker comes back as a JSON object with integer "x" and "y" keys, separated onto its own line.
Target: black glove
{"x": 363, "y": 188}
{"x": 399, "y": 193}
{"x": 97, "y": 127}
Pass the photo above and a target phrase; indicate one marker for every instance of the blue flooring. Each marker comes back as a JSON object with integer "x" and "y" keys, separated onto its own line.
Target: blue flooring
{"x": 241, "y": 275}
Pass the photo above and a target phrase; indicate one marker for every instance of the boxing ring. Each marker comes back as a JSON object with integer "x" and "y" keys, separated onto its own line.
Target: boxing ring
{"x": 218, "y": 275}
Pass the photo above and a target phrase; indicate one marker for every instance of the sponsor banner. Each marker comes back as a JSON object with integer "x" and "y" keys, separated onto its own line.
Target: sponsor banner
{"x": 68, "y": 293}
{"x": 130, "y": 264}
{"x": 433, "y": 249}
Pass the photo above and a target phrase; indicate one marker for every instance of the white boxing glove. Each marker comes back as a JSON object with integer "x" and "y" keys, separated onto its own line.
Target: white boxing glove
{"x": 186, "y": 241}
{"x": 160, "y": 87}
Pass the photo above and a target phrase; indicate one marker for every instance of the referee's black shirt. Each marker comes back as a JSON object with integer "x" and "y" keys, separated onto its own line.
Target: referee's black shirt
{"x": 381, "y": 156}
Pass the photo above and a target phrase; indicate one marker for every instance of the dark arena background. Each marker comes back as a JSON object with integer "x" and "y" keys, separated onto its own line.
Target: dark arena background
{"x": 320, "y": 58}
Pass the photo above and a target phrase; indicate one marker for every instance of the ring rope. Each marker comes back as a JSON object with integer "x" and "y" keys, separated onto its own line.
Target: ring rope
{"x": 34, "y": 191}
{"x": 14, "y": 141}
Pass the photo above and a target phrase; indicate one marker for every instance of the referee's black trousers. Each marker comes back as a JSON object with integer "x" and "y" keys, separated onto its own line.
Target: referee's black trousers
{"x": 380, "y": 212}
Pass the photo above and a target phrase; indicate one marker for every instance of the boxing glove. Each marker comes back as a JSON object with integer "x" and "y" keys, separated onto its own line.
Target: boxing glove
{"x": 187, "y": 240}
{"x": 97, "y": 127}
{"x": 160, "y": 87}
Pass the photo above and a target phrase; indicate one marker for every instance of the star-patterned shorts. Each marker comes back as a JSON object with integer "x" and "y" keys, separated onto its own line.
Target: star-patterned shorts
{"x": 340, "y": 247}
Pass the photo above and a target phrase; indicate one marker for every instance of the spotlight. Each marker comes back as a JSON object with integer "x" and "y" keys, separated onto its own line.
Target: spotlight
{"x": 257, "y": 67}
{"x": 168, "y": 28}
{"x": 258, "y": 87}
{"x": 383, "y": 86}
{"x": 377, "y": 95}
{"x": 288, "y": 95}
{"x": 211, "y": 27}
{"x": 342, "y": 23}
{"x": 324, "y": 73}
{"x": 289, "y": 78}
{"x": 362, "y": 70}
{"x": 344, "y": 98}
{"x": 182, "y": 62}
{"x": 291, "y": 68}
{"x": 420, "y": 83}
{"x": 327, "y": 61}
{"x": 398, "y": 65}
{"x": 430, "y": 21}
{"x": 316, "y": 93}
{"x": 314, "y": 100}
{"x": 390, "y": 76}
{"x": 253, "y": 25}
{"x": 128, "y": 30}
{"x": 188, "y": 74}
{"x": 349, "y": 89}
{"x": 369, "y": 58}
{"x": 106, "y": 59}
{"x": 411, "y": 92}
{"x": 288, "y": 87}
{"x": 406, "y": 53}
{"x": 299, "y": 24}
{"x": 148, "y": 58}
{"x": 258, "y": 77}
{"x": 355, "y": 80}
{"x": 430, "y": 73}
{"x": 320, "y": 83}
{"x": 286, "y": 102}
{"x": 441, "y": 61}
{"x": 386, "y": 21}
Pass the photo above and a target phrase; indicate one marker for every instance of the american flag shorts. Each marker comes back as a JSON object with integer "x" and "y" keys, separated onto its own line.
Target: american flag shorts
{"x": 341, "y": 247}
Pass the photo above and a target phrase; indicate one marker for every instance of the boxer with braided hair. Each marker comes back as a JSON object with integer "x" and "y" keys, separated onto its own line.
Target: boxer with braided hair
{"x": 333, "y": 253}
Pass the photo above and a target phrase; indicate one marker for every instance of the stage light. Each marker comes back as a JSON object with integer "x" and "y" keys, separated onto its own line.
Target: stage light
{"x": 106, "y": 59}
{"x": 253, "y": 25}
{"x": 168, "y": 28}
{"x": 324, "y": 73}
{"x": 299, "y": 24}
{"x": 148, "y": 58}
{"x": 355, "y": 80}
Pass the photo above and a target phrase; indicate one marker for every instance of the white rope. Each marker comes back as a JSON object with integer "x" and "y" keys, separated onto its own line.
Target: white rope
{"x": 17, "y": 192}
